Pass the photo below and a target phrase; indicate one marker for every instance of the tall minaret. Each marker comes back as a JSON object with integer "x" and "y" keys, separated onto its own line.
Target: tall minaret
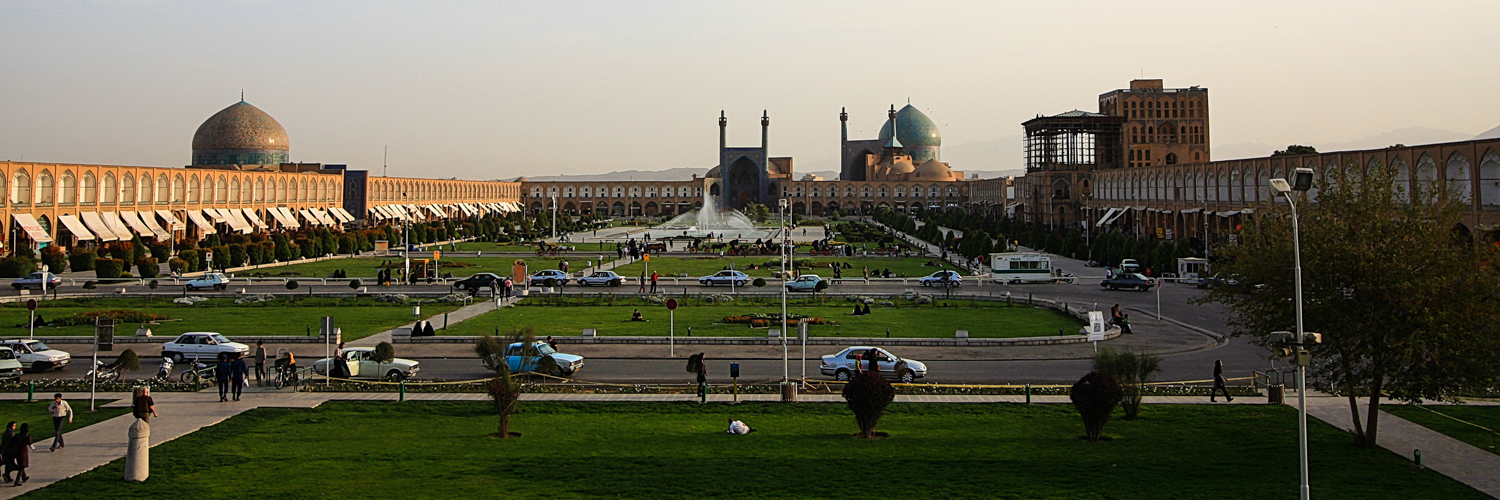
{"x": 722, "y": 123}
{"x": 843, "y": 125}
{"x": 893, "y": 145}
{"x": 765, "y": 128}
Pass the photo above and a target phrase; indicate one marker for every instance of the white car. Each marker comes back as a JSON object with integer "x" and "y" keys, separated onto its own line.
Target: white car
{"x": 216, "y": 281}
{"x": 10, "y": 367}
{"x": 362, "y": 365}
{"x": 36, "y": 355}
{"x": 842, "y": 367}
{"x": 201, "y": 345}
{"x": 948, "y": 277}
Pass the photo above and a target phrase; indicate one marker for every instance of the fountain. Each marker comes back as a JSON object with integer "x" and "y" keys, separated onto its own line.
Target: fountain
{"x": 708, "y": 220}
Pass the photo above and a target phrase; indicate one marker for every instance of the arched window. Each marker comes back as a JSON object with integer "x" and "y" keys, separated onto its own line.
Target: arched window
{"x": 260, "y": 190}
{"x": 1459, "y": 186}
{"x": 281, "y": 191}
{"x": 221, "y": 190}
{"x": 1426, "y": 173}
{"x": 234, "y": 190}
{"x": 109, "y": 191}
{"x": 20, "y": 190}
{"x": 291, "y": 190}
{"x": 46, "y": 191}
{"x": 179, "y": 188}
{"x": 194, "y": 190}
{"x": 69, "y": 189}
{"x": 127, "y": 188}
{"x": 163, "y": 188}
{"x": 247, "y": 190}
{"x": 1401, "y": 186}
{"x": 90, "y": 188}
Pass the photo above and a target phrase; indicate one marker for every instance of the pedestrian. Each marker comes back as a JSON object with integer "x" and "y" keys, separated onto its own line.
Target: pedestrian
{"x": 144, "y": 407}
{"x": 564, "y": 266}
{"x": 1219, "y": 383}
{"x": 341, "y": 366}
{"x": 643, "y": 282}
{"x": 5, "y": 457}
{"x": 509, "y": 285}
{"x": 654, "y": 278}
{"x": 238, "y": 375}
{"x": 260, "y": 360}
{"x": 1114, "y": 314}
{"x": 221, "y": 376}
{"x": 59, "y": 410}
{"x": 552, "y": 342}
{"x": 20, "y": 446}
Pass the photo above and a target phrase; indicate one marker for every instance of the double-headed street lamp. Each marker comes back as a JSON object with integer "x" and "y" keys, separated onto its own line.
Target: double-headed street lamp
{"x": 1302, "y": 180}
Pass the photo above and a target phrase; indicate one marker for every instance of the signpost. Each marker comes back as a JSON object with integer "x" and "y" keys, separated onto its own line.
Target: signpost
{"x": 31, "y": 306}
{"x": 734, "y": 373}
{"x": 104, "y": 335}
{"x": 672, "y": 327}
{"x": 1096, "y": 328}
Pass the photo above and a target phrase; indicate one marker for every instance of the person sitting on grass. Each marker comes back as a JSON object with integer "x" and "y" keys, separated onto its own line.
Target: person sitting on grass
{"x": 636, "y": 315}
{"x": 857, "y": 311}
{"x": 738, "y": 427}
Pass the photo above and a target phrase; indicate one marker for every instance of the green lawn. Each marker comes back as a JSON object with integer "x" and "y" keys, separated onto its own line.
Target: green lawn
{"x": 767, "y": 264}
{"x": 35, "y": 413}
{"x": 471, "y": 246}
{"x": 983, "y": 319}
{"x": 1488, "y": 416}
{"x": 410, "y": 450}
{"x": 365, "y": 268}
{"x": 357, "y": 318}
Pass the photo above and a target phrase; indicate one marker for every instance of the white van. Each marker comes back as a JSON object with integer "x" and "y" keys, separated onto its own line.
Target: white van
{"x": 1022, "y": 267}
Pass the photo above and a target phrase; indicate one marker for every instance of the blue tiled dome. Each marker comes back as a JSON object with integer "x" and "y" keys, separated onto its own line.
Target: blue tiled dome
{"x": 917, "y": 133}
{"x": 240, "y": 134}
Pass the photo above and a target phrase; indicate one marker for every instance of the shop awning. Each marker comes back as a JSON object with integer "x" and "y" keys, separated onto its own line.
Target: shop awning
{"x": 75, "y": 226}
{"x": 308, "y": 217}
{"x": 112, "y": 220}
{"x": 1108, "y": 216}
{"x": 214, "y": 215}
{"x": 348, "y": 217}
{"x": 375, "y": 213}
{"x": 173, "y": 222}
{"x": 1229, "y": 213}
{"x": 253, "y": 218}
{"x": 150, "y": 220}
{"x": 97, "y": 225}
{"x": 135, "y": 223}
{"x": 1247, "y": 211}
{"x": 197, "y": 218}
{"x": 281, "y": 217}
{"x": 437, "y": 211}
{"x": 339, "y": 217}
{"x": 237, "y": 221}
{"x": 323, "y": 217}
{"x": 1192, "y": 211}
{"x": 32, "y": 228}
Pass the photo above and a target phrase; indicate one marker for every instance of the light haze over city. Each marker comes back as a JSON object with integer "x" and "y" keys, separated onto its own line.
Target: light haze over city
{"x": 488, "y": 91}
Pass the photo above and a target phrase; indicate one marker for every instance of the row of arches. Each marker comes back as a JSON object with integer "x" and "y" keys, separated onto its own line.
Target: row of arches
{"x": 161, "y": 188}
{"x": 405, "y": 190}
{"x": 1249, "y": 182}
{"x": 872, "y": 190}
{"x": 588, "y": 191}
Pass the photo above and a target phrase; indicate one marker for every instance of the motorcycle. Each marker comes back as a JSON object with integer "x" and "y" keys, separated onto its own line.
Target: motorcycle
{"x": 197, "y": 371}
{"x": 102, "y": 372}
{"x": 165, "y": 372}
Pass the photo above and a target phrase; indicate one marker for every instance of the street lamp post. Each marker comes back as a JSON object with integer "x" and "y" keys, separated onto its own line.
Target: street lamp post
{"x": 1302, "y": 178}
{"x": 785, "y": 371}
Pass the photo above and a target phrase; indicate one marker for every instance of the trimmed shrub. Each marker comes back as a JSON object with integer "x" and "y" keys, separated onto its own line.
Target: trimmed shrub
{"x": 177, "y": 265}
{"x": 867, "y": 395}
{"x": 356, "y": 283}
{"x": 291, "y": 284}
{"x": 1095, "y": 396}
{"x": 221, "y": 257}
{"x": 81, "y": 260}
{"x": 54, "y": 258}
{"x": 109, "y": 268}
{"x": 149, "y": 267}
{"x": 161, "y": 251}
{"x": 16, "y": 266}
{"x": 1133, "y": 370}
{"x": 190, "y": 260}
{"x": 237, "y": 255}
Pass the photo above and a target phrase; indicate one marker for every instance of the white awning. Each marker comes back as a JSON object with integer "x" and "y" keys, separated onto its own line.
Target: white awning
{"x": 1229, "y": 213}
{"x": 1247, "y": 210}
{"x": 323, "y": 217}
{"x": 253, "y": 218}
{"x": 97, "y": 225}
{"x": 150, "y": 220}
{"x": 281, "y": 217}
{"x": 118, "y": 226}
{"x": 341, "y": 214}
{"x": 307, "y": 216}
{"x": 1192, "y": 211}
{"x": 197, "y": 218}
{"x": 173, "y": 222}
{"x": 1117, "y": 215}
{"x": 375, "y": 213}
{"x": 1140, "y": 208}
{"x": 1108, "y": 216}
{"x": 214, "y": 215}
{"x": 237, "y": 221}
{"x": 1166, "y": 211}
{"x": 32, "y": 228}
{"x": 135, "y": 223}
{"x": 75, "y": 226}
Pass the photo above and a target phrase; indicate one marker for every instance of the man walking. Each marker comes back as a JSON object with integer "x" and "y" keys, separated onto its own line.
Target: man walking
{"x": 59, "y": 410}
{"x": 221, "y": 376}
{"x": 654, "y": 278}
{"x": 238, "y": 373}
{"x": 1219, "y": 383}
{"x": 260, "y": 360}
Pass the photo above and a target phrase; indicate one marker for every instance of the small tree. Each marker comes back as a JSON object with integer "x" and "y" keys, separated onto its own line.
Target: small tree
{"x": 759, "y": 282}
{"x": 1095, "y": 396}
{"x": 822, "y": 285}
{"x": 291, "y": 284}
{"x": 355, "y": 284}
{"x": 127, "y": 361}
{"x": 504, "y": 389}
{"x": 1133, "y": 370}
{"x": 867, "y": 395}
{"x": 384, "y": 353}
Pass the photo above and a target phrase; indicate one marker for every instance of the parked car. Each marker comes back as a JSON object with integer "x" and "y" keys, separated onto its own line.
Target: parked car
{"x": 540, "y": 278}
{"x": 363, "y": 365}
{"x": 947, "y": 277}
{"x": 216, "y": 281}
{"x": 842, "y": 367}
{"x": 725, "y": 277}
{"x": 478, "y": 281}
{"x": 1127, "y": 281}
{"x": 37, "y": 355}
{"x": 603, "y": 278}
{"x": 804, "y": 283}
{"x": 201, "y": 345}
{"x": 1130, "y": 266}
{"x": 34, "y": 280}
{"x": 567, "y": 364}
{"x": 10, "y": 367}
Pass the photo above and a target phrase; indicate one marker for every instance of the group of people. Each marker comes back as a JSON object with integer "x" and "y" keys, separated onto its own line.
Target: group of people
{"x": 232, "y": 375}
{"x": 879, "y": 273}
{"x": 858, "y": 311}
{"x": 1118, "y": 318}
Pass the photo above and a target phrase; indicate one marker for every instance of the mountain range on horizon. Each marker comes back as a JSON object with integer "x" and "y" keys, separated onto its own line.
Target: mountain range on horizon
{"x": 1003, "y": 156}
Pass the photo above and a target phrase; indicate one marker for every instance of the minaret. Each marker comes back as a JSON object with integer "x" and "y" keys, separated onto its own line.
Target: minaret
{"x": 893, "y": 145}
{"x": 722, "y": 123}
{"x": 843, "y": 125}
{"x": 765, "y": 128}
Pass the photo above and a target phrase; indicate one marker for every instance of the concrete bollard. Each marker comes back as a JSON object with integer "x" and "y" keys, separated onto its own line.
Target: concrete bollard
{"x": 138, "y": 453}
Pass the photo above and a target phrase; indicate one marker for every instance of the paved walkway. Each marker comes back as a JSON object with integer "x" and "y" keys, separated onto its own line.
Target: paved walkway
{"x": 183, "y": 413}
{"x": 480, "y": 306}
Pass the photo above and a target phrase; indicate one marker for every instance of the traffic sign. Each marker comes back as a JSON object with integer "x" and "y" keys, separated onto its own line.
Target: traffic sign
{"x": 31, "y": 304}
{"x": 671, "y": 304}
{"x": 646, "y": 256}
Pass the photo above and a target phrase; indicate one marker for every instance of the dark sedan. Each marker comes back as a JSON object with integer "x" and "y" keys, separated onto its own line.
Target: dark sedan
{"x": 1128, "y": 281}
{"x": 478, "y": 281}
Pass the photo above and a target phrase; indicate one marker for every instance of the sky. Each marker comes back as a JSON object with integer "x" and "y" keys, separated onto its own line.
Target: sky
{"x": 489, "y": 90}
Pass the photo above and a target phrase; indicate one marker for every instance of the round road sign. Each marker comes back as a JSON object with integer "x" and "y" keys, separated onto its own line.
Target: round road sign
{"x": 671, "y": 304}
{"x": 31, "y": 304}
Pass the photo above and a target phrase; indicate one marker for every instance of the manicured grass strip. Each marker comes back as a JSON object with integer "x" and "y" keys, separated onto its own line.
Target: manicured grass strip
{"x": 35, "y": 413}
{"x": 699, "y": 266}
{"x": 680, "y": 450}
{"x": 358, "y": 318}
{"x": 981, "y": 319}
{"x": 1488, "y": 416}
{"x": 365, "y": 268}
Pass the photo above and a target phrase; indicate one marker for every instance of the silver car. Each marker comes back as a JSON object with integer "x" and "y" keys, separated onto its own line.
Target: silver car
{"x": 846, "y": 363}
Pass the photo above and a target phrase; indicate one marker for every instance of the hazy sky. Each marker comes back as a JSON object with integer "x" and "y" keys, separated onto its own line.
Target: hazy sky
{"x": 480, "y": 90}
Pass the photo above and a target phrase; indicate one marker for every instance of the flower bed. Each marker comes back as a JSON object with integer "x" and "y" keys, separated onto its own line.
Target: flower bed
{"x": 766, "y": 320}
{"x": 119, "y": 315}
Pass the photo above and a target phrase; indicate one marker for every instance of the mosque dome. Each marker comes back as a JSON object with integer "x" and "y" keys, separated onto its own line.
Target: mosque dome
{"x": 902, "y": 167}
{"x": 913, "y": 129}
{"x": 240, "y": 134}
{"x": 933, "y": 169}
{"x": 713, "y": 172}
